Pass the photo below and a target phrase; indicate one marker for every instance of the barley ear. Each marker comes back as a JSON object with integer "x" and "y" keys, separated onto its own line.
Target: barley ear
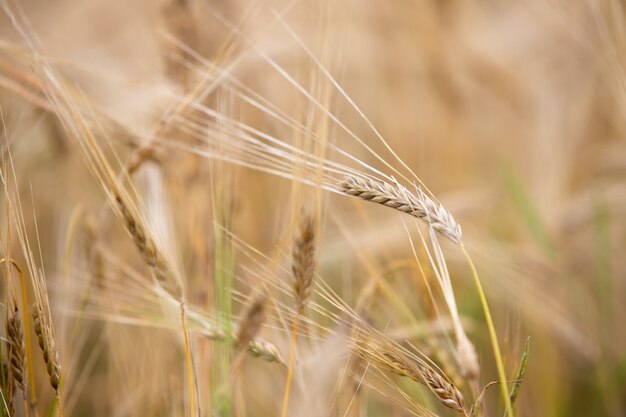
{"x": 303, "y": 262}
{"x": 159, "y": 266}
{"x": 47, "y": 346}
{"x": 445, "y": 391}
{"x": 257, "y": 347}
{"x": 251, "y": 322}
{"x": 15, "y": 344}
{"x": 417, "y": 204}
{"x": 250, "y": 325}
{"x": 375, "y": 348}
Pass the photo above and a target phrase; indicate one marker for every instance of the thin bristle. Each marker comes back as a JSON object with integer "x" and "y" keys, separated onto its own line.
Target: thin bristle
{"x": 417, "y": 204}
{"x": 303, "y": 263}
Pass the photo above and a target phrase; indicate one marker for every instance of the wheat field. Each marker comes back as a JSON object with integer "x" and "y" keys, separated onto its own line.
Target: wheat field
{"x": 313, "y": 208}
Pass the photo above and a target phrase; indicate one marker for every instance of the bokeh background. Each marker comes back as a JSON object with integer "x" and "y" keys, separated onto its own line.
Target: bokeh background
{"x": 512, "y": 113}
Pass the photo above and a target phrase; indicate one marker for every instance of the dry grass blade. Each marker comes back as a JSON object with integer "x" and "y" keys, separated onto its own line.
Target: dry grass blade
{"x": 417, "y": 204}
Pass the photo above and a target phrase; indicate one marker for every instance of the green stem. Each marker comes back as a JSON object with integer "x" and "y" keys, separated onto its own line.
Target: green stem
{"x": 492, "y": 334}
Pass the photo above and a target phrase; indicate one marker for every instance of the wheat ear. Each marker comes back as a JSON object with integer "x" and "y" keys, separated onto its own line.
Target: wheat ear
{"x": 417, "y": 204}
{"x": 156, "y": 261}
{"x": 15, "y": 344}
{"x": 163, "y": 273}
{"x": 257, "y": 347}
{"x": 303, "y": 270}
{"x": 249, "y": 327}
{"x": 47, "y": 346}
{"x": 445, "y": 391}
{"x": 26, "y": 333}
{"x": 251, "y": 322}
{"x": 303, "y": 263}
{"x": 375, "y": 348}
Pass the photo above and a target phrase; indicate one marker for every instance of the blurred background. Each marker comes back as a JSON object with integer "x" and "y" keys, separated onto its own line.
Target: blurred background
{"x": 512, "y": 113}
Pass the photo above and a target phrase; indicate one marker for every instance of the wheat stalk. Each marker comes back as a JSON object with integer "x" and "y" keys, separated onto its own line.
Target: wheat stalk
{"x": 417, "y": 204}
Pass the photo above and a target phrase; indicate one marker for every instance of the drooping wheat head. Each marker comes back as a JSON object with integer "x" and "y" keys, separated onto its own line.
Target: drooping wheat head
{"x": 417, "y": 204}
{"x": 374, "y": 347}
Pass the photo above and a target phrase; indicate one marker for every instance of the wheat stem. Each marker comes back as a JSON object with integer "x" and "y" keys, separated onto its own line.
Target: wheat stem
{"x": 59, "y": 405}
{"x": 190, "y": 384}
{"x": 25, "y": 406}
{"x": 292, "y": 352}
{"x": 492, "y": 334}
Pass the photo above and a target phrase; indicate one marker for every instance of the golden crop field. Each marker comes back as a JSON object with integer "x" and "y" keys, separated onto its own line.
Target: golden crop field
{"x": 295, "y": 208}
